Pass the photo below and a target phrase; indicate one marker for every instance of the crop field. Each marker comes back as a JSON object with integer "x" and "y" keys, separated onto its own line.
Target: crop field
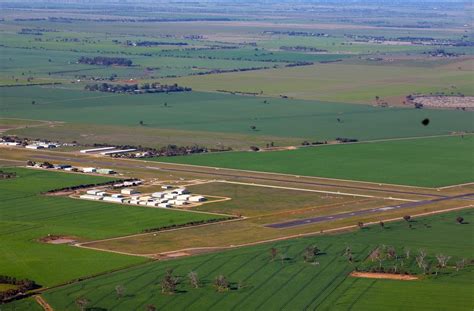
{"x": 428, "y": 162}
{"x": 196, "y": 111}
{"x": 342, "y": 82}
{"x": 27, "y": 216}
{"x": 257, "y": 282}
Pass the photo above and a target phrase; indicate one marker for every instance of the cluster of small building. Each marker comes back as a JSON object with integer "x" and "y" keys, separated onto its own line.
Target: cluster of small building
{"x": 70, "y": 168}
{"x": 164, "y": 199}
{"x": 37, "y": 144}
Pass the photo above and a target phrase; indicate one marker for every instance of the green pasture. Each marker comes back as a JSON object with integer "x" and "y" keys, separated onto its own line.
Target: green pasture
{"x": 292, "y": 284}
{"x": 26, "y": 216}
{"x": 349, "y": 83}
{"x": 428, "y": 162}
{"x": 225, "y": 113}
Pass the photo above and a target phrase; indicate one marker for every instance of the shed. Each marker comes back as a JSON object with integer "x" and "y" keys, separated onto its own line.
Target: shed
{"x": 93, "y": 191}
{"x": 197, "y": 198}
{"x": 183, "y": 197}
{"x": 158, "y": 194}
{"x": 90, "y": 197}
{"x": 105, "y": 171}
{"x": 128, "y": 191}
{"x": 114, "y": 200}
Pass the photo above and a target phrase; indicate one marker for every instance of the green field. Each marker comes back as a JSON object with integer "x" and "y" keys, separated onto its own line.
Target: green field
{"x": 429, "y": 162}
{"x": 343, "y": 82}
{"x": 26, "y": 216}
{"x": 232, "y": 114}
{"x": 293, "y": 284}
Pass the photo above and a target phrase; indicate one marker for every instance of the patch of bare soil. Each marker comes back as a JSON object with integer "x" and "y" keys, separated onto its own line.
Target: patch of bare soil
{"x": 58, "y": 239}
{"x": 386, "y": 276}
{"x": 177, "y": 254}
{"x": 60, "y": 193}
{"x": 279, "y": 148}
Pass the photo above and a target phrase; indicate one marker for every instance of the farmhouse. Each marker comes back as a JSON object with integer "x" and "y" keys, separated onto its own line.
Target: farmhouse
{"x": 164, "y": 205}
{"x": 89, "y": 169}
{"x": 166, "y": 187}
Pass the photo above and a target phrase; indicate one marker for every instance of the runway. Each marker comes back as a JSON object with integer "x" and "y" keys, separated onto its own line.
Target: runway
{"x": 301, "y": 222}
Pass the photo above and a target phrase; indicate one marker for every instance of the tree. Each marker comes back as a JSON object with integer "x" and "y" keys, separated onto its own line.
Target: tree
{"x": 407, "y": 253}
{"x": 120, "y": 291}
{"x": 150, "y": 307}
{"x": 360, "y": 224}
{"x": 460, "y": 264}
{"x": 283, "y": 257}
{"x": 310, "y": 253}
{"x": 82, "y": 303}
{"x": 221, "y": 284}
{"x": 169, "y": 283}
{"x": 253, "y": 128}
{"x": 460, "y": 220}
{"x": 391, "y": 253}
{"x": 420, "y": 260}
{"x": 382, "y": 224}
{"x": 273, "y": 253}
{"x": 407, "y": 218}
{"x": 442, "y": 260}
{"x": 141, "y": 122}
{"x": 33, "y": 102}
{"x": 194, "y": 279}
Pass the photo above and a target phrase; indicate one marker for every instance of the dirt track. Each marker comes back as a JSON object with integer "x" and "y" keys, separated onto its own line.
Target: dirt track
{"x": 43, "y": 303}
{"x": 386, "y": 276}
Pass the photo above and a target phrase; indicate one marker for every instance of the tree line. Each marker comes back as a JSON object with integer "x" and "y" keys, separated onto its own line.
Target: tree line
{"x": 20, "y": 287}
{"x": 136, "y": 89}
{"x": 105, "y": 61}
